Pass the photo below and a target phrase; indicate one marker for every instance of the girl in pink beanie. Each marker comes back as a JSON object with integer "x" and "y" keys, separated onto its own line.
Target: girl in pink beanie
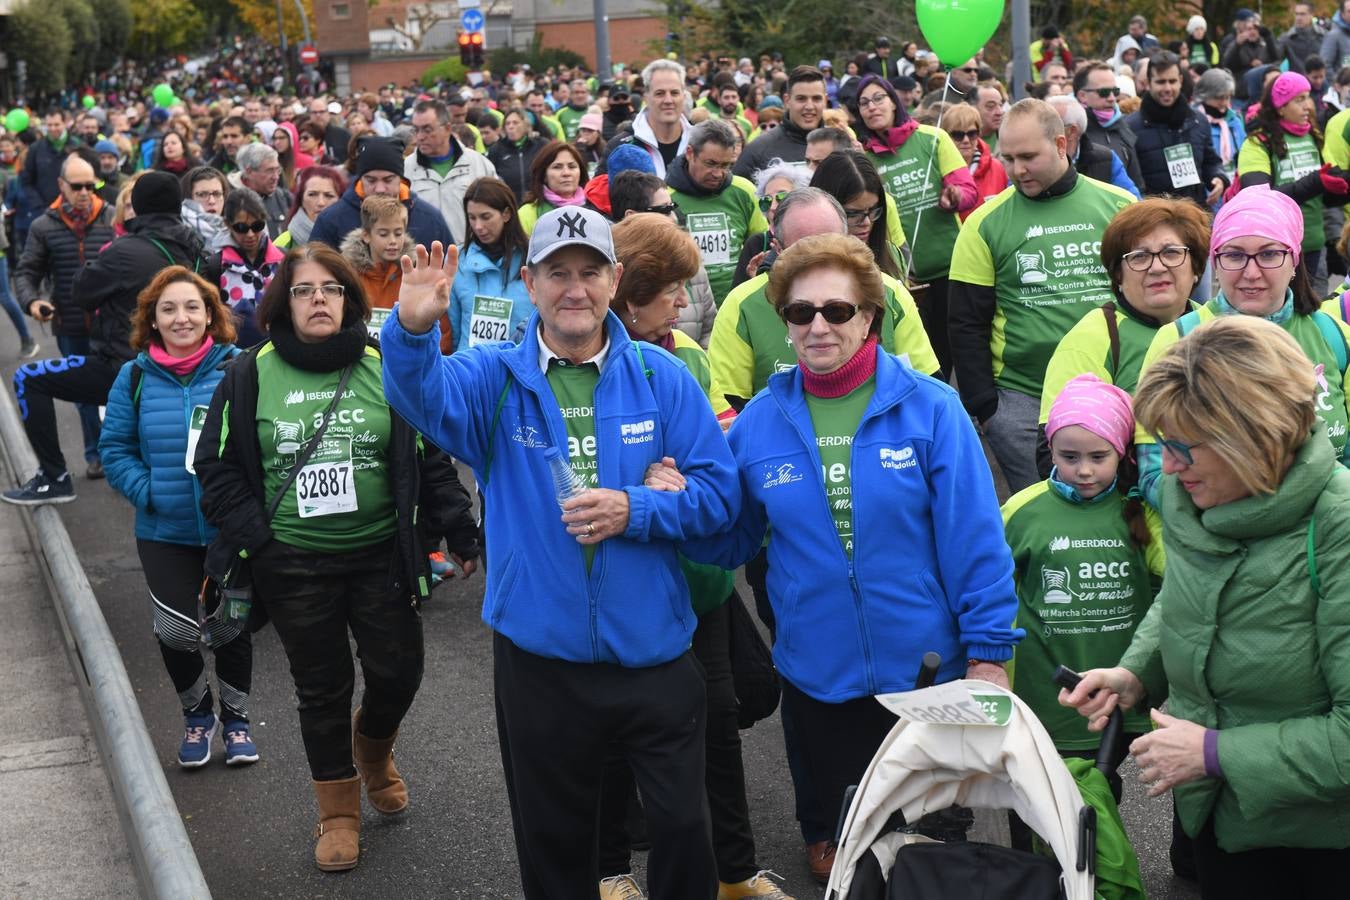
{"x": 1088, "y": 558}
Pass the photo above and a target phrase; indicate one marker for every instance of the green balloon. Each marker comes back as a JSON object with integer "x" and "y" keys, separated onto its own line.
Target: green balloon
{"x": 958, "y": 29}
{"x": 163, "y": 95}
{"x": 88, "y": 101}
{"x": 16, "y": 120}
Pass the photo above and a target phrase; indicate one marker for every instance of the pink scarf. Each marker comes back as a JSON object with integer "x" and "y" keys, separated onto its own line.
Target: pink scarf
{"x": 578, "y": 198}
{"x": 1296, "y": 130}
{"x": 844, "y": 379}
{"x": 180, "y": 365}
{"x": 890, "y": 140}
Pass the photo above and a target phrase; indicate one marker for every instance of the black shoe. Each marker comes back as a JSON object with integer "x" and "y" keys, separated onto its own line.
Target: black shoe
{"x": 95, "y": 470}
{"x": 41, "y": 490}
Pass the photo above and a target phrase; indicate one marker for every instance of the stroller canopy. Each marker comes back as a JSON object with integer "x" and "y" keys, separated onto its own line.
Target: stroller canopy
{"x": 921, "y": 768}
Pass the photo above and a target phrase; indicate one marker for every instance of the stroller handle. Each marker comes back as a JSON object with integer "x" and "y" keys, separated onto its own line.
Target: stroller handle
{"x": 1111, "y": 751}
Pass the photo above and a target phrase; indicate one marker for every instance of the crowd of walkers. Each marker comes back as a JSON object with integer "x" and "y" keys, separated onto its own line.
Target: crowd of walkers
{"x": 300, "y": 314}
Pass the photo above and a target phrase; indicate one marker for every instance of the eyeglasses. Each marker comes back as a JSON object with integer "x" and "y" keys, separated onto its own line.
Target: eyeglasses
{"x": 1178, "y": 450}
{"x": 1236, "y": 260}
{"x": 717, "y": 166}
{"x": 665, "y": 209}
{"x": 859, "y": 216}
{"x": 331, "y": 290}
{"x": 836, "y": 312}
{"x": 1107, "y": 92}
{"x": 768, "y": 126}
{"x": 208, "y": 195}
{"x": 426, "y": 129}
{"x": 245, "y": 227}
{"x": 78, "y": 186}
{"x": 1142, "y": 260}
{"x": 873, "y": 100}
{"x": 969, "y": 70}
{"x": 971, "y": 135}
{"x": 768, "y": 200}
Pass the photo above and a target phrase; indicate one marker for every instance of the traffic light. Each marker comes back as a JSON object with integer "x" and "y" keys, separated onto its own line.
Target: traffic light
{"x": 471, "y": 49}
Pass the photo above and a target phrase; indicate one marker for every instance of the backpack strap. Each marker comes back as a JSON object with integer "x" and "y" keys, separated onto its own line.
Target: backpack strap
{"x": 137, "y": 376}
{"x": 492, "y": 430}
{"x": 1334, "y": 336}
{"x": 1113, "y": 335}
{"x": 1345, "y": 306}
{"x": 196, "y": 264}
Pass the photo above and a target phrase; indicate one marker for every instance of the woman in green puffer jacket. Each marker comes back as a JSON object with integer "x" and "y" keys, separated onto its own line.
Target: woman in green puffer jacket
{"x": 1249, "y": 638}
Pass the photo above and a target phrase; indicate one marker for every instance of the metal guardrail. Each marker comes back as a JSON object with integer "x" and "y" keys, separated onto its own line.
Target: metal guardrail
{"x": 165, "y": 862}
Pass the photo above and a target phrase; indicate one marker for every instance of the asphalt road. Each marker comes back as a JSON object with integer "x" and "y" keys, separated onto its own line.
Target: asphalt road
{"x": 251, "y": 827}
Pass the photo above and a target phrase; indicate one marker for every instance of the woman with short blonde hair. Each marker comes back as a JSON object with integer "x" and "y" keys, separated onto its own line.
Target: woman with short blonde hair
{"x": 1249, "y": 638}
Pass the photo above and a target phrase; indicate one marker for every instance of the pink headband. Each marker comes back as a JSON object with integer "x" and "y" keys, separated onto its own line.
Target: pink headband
{"x": 1288, "y": 86}
{"x": 1257, "y": 211}
{"x": 1101, "y": 408}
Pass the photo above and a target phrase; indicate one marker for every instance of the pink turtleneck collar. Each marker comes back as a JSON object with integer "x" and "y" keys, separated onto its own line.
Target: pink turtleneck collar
{"x": 847, "y": 377}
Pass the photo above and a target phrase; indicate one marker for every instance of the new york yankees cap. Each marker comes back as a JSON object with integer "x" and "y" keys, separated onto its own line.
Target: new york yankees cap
{"x": 570, "y": 226}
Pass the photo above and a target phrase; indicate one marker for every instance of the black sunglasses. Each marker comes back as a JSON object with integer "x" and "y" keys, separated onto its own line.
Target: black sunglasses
{"x": 971, "y": 135}
{"x": 242, "y": 228}
{"x": 836, "y": 312}
{"x": 78, "y": 186}
{"x": 1108, "y": 92}
{"x": 663, "y": 210}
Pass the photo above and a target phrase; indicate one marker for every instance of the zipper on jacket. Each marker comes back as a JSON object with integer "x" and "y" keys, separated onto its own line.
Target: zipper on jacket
{"x": 196, "y": 483}
{"x": 852, "y": 565}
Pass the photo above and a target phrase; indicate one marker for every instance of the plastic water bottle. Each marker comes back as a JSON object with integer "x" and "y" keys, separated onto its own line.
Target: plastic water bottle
{"x": 566, "y": 483}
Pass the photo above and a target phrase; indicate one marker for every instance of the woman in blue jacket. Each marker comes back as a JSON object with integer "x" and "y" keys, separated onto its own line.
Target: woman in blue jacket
{"x": 885, "y": 525}
{"x": 488, "y": 300}
{"x": 156, "y": 408}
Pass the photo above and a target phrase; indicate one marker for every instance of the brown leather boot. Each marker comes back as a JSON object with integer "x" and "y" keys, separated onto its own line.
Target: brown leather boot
{"x": 375, "y": 761}
{"x": 339, "y": 828}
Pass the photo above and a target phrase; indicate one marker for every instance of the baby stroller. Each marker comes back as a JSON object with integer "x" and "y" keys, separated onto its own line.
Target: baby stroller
{"x": 925, "y": 766}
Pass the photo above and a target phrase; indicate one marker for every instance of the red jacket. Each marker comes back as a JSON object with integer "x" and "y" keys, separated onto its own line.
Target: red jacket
{"x": 990, "y": 178}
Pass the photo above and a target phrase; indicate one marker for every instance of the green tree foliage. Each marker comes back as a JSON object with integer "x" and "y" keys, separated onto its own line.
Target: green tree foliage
{"x": 43, "y": 42}
{"x": 449, "y": 69}
{"x": 158, "y": 26}
{"x": 84, "y": 36}
{"x": 114, "y": 30}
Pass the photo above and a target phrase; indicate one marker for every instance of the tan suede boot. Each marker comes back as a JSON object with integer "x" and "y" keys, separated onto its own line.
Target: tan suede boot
{"x": 375, "y": 761}
{"x": 339, "y": 828}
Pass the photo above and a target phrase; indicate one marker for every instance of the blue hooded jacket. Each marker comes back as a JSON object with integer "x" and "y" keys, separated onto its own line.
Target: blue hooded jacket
{"x": 492, "y": 407}
{"x": 930, "y": 568}
{"x": 144, "y": 446}
{"x": 477, "y": 276}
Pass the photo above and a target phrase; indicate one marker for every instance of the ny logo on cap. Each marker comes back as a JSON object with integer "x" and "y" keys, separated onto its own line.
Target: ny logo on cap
{"x": 575, "y": 223}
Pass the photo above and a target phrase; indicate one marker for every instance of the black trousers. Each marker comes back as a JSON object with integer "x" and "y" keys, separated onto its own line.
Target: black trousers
{"x": 78, "y": 379}
{"x": 173, "y": 573}
{"x": 933, "y": 313}
{"x": 314, "y": 600}
{"x": 724, "y": 776}
{"x": 1289, "y": 873}
{"x": 813, "y": 828}
{"x": 555, "y": 722}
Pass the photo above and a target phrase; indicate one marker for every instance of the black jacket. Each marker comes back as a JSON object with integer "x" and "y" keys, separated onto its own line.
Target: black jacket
{"x": 1093, "y": 161}
{"x": 1153, "y": 133}
{"x": 229, "y": 465}
{"x": 42, "y": 166}
{"x": 54, "y": 251}
{"x": 513, "y": 163}
{"x": 786, "y": 142}
{"x": 109, "y": 285}
{"x": 1119, "y": 139}
{"x": 1238, "y": 59}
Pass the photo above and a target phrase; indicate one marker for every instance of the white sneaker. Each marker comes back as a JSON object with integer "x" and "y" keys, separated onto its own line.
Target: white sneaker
{"x": 621, "y": 887}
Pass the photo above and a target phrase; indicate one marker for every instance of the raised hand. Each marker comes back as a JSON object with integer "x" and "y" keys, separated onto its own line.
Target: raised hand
{"x": 424, "y": 293}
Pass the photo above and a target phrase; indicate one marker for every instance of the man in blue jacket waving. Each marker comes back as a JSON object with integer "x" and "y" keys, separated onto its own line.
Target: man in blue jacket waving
{"x": 591, "y": 616}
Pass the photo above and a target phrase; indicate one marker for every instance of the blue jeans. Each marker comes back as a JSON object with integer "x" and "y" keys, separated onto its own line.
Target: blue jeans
{"x": 90, "y": 423}
{"x": 9, "y": 303}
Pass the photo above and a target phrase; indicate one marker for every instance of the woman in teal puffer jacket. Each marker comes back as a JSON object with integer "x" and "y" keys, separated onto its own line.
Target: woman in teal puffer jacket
{"x": 1249, "y": 639}
{"x": 488, "y": 300}
{"x": 155, "y": 412}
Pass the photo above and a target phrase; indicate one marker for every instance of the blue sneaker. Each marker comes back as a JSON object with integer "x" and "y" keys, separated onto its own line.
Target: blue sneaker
{"x": 239, "y": 747}
{"x": 198, "y": 732}
{"x": 41, "y": 490}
